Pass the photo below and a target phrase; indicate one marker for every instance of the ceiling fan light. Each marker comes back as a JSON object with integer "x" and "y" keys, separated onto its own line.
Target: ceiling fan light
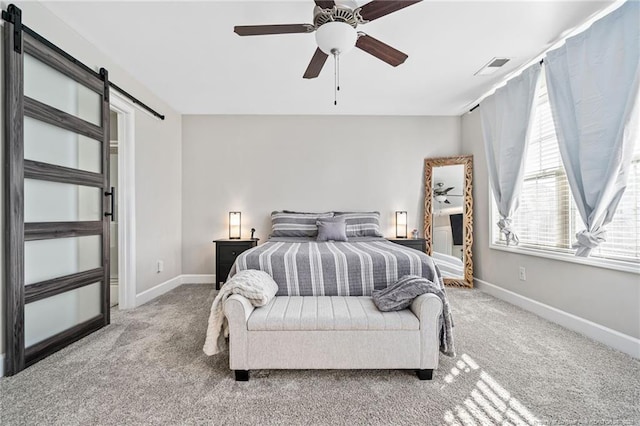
{"x": 336, "y": 37}
{"x": 441, "y": 198}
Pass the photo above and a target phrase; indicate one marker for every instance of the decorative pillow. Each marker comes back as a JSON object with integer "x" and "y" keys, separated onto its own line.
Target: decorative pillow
{"x": 296, "y": 212}
{"x": 361, "y": 224}
{"x": 295, "y": 224}
{"x": 400, "y": 294}
{"x": 332, "y": 230}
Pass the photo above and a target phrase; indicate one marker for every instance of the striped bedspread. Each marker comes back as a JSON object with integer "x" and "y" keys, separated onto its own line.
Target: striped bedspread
{"x": 450, "y": 266}
{"x": 305, "y": 267}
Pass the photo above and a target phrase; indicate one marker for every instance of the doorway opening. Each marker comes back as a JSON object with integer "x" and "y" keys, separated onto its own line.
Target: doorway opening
{"x": 113, "y": 231}
{"x": 122, "y": 178}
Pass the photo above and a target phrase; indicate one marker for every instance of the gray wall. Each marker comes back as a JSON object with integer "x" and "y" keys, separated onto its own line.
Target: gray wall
{"x": 158, "y": 164}
{"x": 257, "y": 164}
{"x": 604, "y": 296}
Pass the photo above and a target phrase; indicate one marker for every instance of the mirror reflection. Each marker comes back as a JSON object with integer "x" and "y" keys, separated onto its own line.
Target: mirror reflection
{"x": 448, "y": 214}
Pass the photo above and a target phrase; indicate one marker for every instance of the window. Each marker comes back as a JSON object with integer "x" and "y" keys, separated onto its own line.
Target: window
{"x": 547, "y": 217}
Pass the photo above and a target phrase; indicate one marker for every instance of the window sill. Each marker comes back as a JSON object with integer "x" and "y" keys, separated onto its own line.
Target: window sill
{"x": 616, "y": 265}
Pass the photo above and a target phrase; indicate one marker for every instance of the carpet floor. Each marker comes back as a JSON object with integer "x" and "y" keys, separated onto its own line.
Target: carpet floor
{"x": 147, "y": 367}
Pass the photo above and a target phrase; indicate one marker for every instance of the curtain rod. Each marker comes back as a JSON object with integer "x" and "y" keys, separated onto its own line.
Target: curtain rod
{"x": 472, "y": 109}
{"x": 10, "y": 16}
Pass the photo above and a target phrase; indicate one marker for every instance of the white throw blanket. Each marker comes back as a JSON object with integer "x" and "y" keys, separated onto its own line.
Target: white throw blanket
{"x": 257, "y": 286}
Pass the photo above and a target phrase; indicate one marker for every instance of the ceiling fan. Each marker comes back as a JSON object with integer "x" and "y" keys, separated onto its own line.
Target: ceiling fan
{"x": 440, "y": 194}
{"x": 335, "y": 27}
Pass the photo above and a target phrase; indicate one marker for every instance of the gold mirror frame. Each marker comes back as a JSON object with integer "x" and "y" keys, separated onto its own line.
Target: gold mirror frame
{"x": 429, "y": 164}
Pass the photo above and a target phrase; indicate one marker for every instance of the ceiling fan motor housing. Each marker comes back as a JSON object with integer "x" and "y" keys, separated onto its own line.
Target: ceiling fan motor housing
{"x": 337, "y": 14}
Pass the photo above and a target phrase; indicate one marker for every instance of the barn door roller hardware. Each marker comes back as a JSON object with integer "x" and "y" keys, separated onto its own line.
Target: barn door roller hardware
{"x": 13, "y": 14}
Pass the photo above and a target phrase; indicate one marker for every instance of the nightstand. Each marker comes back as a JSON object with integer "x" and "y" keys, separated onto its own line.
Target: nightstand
{"x": 419, "y": 244}
{"x": 226, "y": 253}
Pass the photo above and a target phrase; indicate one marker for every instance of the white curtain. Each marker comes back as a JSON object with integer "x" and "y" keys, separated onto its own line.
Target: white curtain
{"x": 506, "y": 121}
{"x": 593, "y": 91}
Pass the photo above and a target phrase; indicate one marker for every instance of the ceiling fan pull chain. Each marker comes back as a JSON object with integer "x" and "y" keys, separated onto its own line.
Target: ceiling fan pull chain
{"x": 338, "y": 73}
{"x": 335, "y": 79}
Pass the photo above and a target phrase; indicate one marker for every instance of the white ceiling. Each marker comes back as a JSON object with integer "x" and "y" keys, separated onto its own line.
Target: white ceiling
{"x": 188, "y": 54}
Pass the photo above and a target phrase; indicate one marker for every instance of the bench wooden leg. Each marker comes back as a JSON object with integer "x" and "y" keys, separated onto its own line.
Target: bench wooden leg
{"x": 424, "y": 374}
{"x": 242, "y": 375}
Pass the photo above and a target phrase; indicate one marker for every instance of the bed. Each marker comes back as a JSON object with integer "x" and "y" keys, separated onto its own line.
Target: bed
{"x": 323, "y": 300}
{"x": 352, "y": 265}
{"x": 306, "y": 267}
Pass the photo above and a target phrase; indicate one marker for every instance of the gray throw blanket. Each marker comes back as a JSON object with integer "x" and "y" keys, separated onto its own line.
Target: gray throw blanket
{"x": 400, "y": 295}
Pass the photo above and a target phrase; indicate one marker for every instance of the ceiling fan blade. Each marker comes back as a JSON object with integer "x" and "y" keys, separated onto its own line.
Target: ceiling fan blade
{"x": 447, "y": 202}
{"x": 325, "y": 4}
{"x": 316, "y": 64}
{"x": 380, "y": 50}
{"x": 252, "y": 30}
{"x": 379, "y": 8}
{"x": 447, "y": 190}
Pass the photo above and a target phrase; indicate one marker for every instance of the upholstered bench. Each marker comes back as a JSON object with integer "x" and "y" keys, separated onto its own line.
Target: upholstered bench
{"x": 332, "y": 332}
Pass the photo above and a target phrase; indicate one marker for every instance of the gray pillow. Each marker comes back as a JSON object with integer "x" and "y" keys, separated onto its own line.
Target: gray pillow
{"x": 295, "y": 224}
{"x": 331, "y": 229}
{"x": 400, "y": 294}
{"x": 361, "y": 224}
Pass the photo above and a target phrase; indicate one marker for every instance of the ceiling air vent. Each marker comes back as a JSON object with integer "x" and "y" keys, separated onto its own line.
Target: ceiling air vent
{"x": 492, "y": 66}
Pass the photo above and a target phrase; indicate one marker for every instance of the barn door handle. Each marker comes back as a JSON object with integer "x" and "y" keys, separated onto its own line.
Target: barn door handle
{"x": 111, "y": 194}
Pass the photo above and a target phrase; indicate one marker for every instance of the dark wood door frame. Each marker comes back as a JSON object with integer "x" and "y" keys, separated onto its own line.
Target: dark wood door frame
{"x": 14, "y": 202}
{"x": 17, "y": 106}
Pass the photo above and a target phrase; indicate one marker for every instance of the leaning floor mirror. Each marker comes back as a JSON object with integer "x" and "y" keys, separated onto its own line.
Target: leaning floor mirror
{"x": 448, "y": 217}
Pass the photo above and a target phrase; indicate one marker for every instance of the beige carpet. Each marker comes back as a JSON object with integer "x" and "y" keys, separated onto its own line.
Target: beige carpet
{"x": 148, "y": 368}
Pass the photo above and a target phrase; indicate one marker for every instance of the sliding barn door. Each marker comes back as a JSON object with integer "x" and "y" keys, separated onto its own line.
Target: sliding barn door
{"x": 57, "y": 200}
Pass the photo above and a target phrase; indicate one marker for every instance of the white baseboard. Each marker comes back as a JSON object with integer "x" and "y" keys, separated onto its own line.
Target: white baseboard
{"x": 159, "y": 290}
{"x": 162, "y": 288}
{"x": 198, "y": 278}
{"x": 615, "y": 339}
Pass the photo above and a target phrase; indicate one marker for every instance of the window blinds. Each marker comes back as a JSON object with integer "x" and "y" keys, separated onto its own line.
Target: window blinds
{"x": 623, "y": 233}
{"x": 547, "y": 217}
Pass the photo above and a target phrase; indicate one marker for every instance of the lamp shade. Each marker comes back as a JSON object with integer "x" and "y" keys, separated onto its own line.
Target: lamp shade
{"x": 234, "y": 225}
{"x": 401, "y": 224}
{"x": 336, "y": 37}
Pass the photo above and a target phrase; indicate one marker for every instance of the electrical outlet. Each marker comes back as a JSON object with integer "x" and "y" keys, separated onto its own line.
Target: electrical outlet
{"x": 523, "y": 274}
{"x": 160, "y": 266}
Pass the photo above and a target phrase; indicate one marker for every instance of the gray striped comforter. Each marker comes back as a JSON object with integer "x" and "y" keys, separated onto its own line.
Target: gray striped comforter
{"x": 305, "y": 267}
{"x": 450, "y": 266}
